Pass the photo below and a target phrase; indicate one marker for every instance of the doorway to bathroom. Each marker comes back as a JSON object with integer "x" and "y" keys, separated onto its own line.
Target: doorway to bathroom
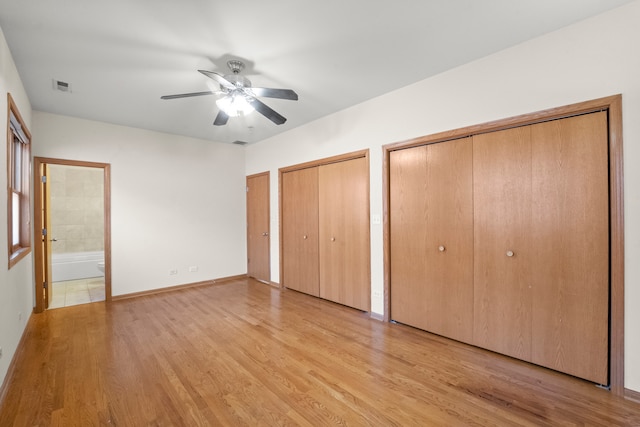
{"x": 72, "y": 222}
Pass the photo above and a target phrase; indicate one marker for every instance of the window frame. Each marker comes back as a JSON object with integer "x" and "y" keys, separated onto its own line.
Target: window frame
{"x": 18, "y": 138}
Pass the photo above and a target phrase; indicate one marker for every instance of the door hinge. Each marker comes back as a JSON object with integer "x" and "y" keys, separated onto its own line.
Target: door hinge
{"x": 45, "y": 285}
{"x": 44, "y": 231}
{"x": 44, "y": 179}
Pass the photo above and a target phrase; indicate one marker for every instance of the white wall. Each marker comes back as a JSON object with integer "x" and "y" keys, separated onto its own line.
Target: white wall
{"x": 16, "y": 284}
{"x": 592, "y": 59}
{"x": 176, "y": 202}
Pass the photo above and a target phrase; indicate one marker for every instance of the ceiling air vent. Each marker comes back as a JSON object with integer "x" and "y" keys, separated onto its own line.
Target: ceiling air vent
{"x": 61, "y": 86}
{"x": 237, "y": 142}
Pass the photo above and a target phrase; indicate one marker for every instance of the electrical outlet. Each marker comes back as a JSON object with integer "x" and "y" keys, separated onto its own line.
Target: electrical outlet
{"x": 173, "y": 272}
{"x": 193, "y": 268}
{"x": 377, "y": 294}
{"x": 19, "y": 316}
{"x": 0, "y": 352}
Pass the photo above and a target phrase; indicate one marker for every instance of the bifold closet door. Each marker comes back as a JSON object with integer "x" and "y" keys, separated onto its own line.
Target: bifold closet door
{"x": 502, "y": 241}
{"x": 300, "y": 258}
{"x": 571, "y": 246}
{"x": 541, "y": 268}
{"x": 344, "y": 233}
{"x": 431, "y": 247}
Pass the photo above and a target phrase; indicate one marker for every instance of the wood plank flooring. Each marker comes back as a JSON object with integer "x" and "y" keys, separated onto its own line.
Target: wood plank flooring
{"x": 244, "y": 353}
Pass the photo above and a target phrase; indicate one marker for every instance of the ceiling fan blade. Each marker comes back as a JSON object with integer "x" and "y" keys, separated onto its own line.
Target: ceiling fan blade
{"x": 187, "y": 95}
{"x": 274, "y": 93}
{"x": 219, "y": 78}
{"x": 267, "y": 111}
{"x": 221, "y": 119}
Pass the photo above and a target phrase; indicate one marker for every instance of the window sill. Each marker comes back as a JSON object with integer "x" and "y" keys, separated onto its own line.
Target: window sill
{"x": 15, "y": 257}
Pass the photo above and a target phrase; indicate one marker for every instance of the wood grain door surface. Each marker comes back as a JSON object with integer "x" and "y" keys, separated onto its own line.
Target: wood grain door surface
{"x": 258, "y": 258}
{"x": 408, "y": 190}
{"x": 502, "y": 241}
{"x": 541, "y": 242}
{"x": 541, "y": 199}
{"x": 570, "y": 305}
{"x": 431, "y": 221}
{"x": 47, "y": 250}
{"x": 300, "y": 256}
{"x": 344, "y": 233}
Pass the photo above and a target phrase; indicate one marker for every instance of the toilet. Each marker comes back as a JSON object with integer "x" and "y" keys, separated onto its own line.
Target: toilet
{"x": 101, "y": 266}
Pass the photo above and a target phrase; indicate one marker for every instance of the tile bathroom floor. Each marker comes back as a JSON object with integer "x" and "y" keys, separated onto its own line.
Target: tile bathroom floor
{"x": 74, "y": 292}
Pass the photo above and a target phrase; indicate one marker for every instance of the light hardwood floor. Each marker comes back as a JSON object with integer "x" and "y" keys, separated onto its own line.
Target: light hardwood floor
{"x": 244, "y": 353}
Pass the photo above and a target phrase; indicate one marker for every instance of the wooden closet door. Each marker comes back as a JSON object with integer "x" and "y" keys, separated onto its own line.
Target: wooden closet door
{"x": 344, "y": 233}
{"x": 571, "y": 246}
{"x": 408, "y": 236}
{"x": 431, "y": 218}
{"x": 502, "y": 233}
{"x": 300, "y": 231}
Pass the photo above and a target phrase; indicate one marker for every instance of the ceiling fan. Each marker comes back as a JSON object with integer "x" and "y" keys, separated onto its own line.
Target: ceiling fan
{"x": 239, "y": 97}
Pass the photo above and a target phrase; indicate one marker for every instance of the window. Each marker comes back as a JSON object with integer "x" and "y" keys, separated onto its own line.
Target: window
{"x": 18, "y": 179}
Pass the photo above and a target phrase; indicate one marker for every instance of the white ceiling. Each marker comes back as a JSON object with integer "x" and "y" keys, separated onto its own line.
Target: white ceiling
{"x": 120, "y": 56}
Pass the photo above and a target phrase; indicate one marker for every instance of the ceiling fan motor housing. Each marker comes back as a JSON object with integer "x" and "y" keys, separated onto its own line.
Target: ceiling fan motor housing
{"x": 238, "y": 80}
{"x": 235, "y": 65}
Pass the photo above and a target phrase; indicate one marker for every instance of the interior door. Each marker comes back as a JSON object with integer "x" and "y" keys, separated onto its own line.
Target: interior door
{"x": 431, "y": 215}
{"x": 502, "y": 248}
{"x": 45, "y": 246}
{"x": 300, "y": 263}
{"x": 344, "y": 233}
{"x": 41, "y": 220}
{"x": 571, "y": 247}
{"x": 258, "y": 241}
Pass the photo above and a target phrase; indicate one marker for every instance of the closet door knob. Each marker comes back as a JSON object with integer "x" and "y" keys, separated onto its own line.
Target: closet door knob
{"x": 304, "y": 237}
{"x": 333, "y": 239}
{"x": 441, "y": 248}
{"x": 265, "y": 234}
{"x": 510, "y": 253}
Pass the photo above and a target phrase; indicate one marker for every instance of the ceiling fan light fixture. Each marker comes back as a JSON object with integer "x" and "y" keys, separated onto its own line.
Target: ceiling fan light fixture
{"x": 235, "y": 105}
{"x": 239, "y": 97}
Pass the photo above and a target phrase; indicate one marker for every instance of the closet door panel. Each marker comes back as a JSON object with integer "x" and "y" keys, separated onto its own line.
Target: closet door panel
{"x": 408, "y": 236}
{"x": 571, "y": 246}
{"x": 344, "y": 233}
{"x": 300, "y": 231}
{"x": 432, "y": 238}
{"x": 502, "y": 233}
{"x": 450, "y": 243}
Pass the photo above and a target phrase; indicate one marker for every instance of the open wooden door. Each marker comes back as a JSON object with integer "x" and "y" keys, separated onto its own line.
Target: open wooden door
{"x": 258, "y": 240}
{"x": 45, "y": 246}
{"x": 42, "y": 223}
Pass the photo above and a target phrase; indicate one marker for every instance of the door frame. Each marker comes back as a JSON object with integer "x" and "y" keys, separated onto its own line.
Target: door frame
{"x": 40, "y": 255}
{"x": 613, "y": 106}
{"x": 268, "y": 213}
